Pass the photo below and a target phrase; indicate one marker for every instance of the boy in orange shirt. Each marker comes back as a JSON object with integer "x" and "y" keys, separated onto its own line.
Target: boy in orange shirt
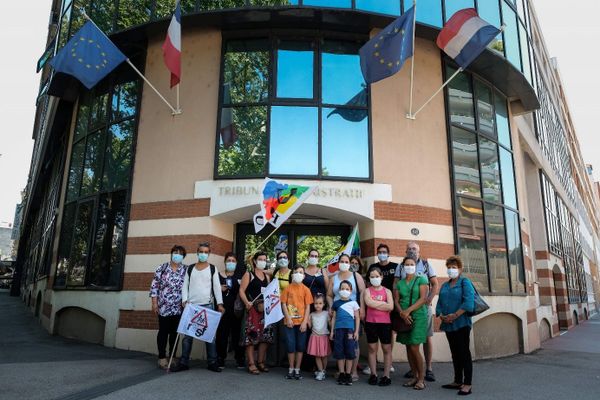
{"x": 295, "y": 301}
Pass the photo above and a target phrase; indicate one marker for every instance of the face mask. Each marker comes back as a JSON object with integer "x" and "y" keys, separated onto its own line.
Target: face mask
{"x": 344, "y": 267}
{"x": 177, "y": 258}
{"x": 453, "y": 273}
{"x": 297, "y": 277}
{"x": 283, "y": 262}
{"x": 375, "y": 281}
{"x": 410, "y": 269}
{"x": 344, "y": 294}
{"x": 412, "y": 254}
{"x": 261, "y": 264}
{"x": 354, "y": 267}
{"x": 382, "y": 257}
{"x": 230, "y": 266}
{"x": 202, "y": 257}
{"x": 313, "y": 260}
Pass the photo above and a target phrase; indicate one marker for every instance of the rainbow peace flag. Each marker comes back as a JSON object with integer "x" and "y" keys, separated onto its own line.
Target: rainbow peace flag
{"x": 351, "y": 248}
{"x": 279, "y": 202}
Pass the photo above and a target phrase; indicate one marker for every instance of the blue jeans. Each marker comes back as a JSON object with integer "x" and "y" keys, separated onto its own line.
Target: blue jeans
{"x": 295, "y": 340}
{"x": 186, "y": 347}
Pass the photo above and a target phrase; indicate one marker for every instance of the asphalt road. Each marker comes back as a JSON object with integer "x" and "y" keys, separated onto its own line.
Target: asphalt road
{"x": 36, "y": 365}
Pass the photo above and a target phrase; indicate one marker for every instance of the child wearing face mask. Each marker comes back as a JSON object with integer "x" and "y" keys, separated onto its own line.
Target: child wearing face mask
{"x": 344, "y": 332}
{"x": 295, "y": 302}
{"x": 376, "y": 305}
{"x": 318, "y": 344}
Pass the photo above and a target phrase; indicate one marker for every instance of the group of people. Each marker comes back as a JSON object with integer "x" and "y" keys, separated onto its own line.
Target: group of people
{"x": 324, "y": 315}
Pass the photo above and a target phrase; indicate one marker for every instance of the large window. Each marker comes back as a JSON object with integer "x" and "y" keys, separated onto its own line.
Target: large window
{"x": 284, "y": 113}
{"x": 90, "y": 252}
{"x": 487, "y": 217}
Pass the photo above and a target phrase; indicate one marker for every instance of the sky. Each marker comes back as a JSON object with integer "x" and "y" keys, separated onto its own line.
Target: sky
{"x": 26, "y": 37}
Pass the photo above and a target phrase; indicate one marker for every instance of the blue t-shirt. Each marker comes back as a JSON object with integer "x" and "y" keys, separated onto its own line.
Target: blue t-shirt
{"x": 344, "y": 313}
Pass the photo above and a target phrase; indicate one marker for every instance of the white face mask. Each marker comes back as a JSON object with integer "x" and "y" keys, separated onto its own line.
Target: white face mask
{"x": 313, "y": 260}
{"x": 375, "y": 281}
{"x": 261, "y": 264}
{"x": 297, "y": 277}
{"x": 283, "y": 262}
{"x": 344, "y": 267}
{"x": 410, "y": 269}
{"x": 345, "y": 294}
{"x": 453, "y": 273}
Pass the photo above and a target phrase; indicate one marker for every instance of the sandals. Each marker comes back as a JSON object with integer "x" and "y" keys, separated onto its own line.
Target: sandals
{"x": 410, "y": 383}
{"x": 419, "y": 386}
{"x": 262, "y": 367}
{"x": 252, "y": 370}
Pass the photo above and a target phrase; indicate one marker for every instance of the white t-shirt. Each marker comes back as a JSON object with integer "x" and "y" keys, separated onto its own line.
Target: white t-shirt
{"x": 199, "y": 288}
{"x": 319, "y": 322}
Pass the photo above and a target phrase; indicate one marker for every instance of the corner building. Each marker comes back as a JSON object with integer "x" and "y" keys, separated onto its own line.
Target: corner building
{"x": 490, "y": 170}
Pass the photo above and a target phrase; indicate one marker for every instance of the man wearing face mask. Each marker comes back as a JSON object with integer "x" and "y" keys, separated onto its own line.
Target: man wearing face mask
{"x": 388, "y": 268}
{"x": 165, "y": 292}
{"x": 423, "y": 268}
{"x": 203, "y": 287}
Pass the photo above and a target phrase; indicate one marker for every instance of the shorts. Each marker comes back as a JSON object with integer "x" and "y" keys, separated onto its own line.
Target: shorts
{"x": 295, "y": 341}
{"x": 378, "y": 332}
{"x": 429, "y": 322}
{"x": 344, "y": 345}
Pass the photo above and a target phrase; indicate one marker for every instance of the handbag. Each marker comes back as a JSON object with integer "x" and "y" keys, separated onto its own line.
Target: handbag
{"x": 480, "y": 304}
{"x": 398, "y": 323}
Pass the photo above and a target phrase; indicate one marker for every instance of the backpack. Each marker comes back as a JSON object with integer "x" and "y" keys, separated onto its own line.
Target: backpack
{"x": 213, "y": 270}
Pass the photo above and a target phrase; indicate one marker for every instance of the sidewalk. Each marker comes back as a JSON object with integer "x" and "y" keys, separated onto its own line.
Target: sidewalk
{"x": 35, "y": 365}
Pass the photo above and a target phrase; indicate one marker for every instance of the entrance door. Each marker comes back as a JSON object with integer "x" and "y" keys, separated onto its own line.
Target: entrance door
{"x": 297, "y": 240}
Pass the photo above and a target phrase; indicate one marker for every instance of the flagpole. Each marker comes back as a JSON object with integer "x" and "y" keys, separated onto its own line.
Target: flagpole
{"x": 173, "y": 352}
{"x": 178, "y": 107}
{"x": 412, "y": 62}
{"x": 414, "y": 116}
{"x": 173, "y": 110}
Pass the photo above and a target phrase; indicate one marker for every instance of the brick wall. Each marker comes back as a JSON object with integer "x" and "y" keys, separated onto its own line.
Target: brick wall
{"x": 411, "y": 213}
{"x": 137, "y": 281}
{"x": 435, "y": 250}
{"x": 170, "y": 209}
{"x": 137, "y": 319}
{"x": 163, "y": 244}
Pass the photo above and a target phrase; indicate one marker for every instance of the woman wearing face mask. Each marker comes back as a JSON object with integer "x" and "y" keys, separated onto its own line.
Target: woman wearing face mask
{"x": 230, "y": 324}
{"x": 255, "y": 333}
{"x": 333, "y": 294}
{"x": 295, "y": 303}
{"x": 457, "y": 297}
{"x": 282, "y": 271}
{"x": 314, "y": 279}
{"x": 410, "y": 297}
{"x": 165, "y": 292}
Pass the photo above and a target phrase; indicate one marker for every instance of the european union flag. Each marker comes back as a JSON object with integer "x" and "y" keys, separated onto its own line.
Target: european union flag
{"x": 89, "y": 56}
{"x": 385, "y": 53}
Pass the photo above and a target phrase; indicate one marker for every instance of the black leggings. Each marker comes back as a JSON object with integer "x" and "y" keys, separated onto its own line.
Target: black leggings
{"x": 167, "y": 330}
{"x": 461, "y": 355}
{"x": 229, "y": 327}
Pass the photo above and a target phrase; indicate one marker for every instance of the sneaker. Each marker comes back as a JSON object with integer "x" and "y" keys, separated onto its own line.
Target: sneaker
{"x": 179, "y": 367}
{"x": 408, "y": 375}
{"x": 341, "y": 378}
{"x": 290, "y": 375}
{"x": 297, "y": 376}
{"x": 320, "y": 376}
{"x": 163, "y": 363}
{"x": 429, "y": 376}
{"x": 366, "y": 370}
{"x": 384, "y": 381}
{"x": 213, "y": 368}
{"x": 349, "y": 380}
{"x": 372, "y": 380}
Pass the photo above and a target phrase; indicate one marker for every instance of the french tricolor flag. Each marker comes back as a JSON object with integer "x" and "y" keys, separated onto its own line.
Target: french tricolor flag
{"x": 465, "y": 36}
{"x": 172, "y": 46}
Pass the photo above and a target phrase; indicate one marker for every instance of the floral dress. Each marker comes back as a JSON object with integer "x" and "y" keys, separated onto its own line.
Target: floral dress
{"x": 254, "y": 326}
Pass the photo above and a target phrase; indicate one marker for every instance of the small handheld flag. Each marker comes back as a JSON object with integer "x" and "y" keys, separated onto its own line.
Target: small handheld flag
{"x": 465, "y": 36}
{"x": 172, "y": 46}
{"x": 351, "y": 248}
{"x": 89, "y": 56}
{"x": 385, "y": 53}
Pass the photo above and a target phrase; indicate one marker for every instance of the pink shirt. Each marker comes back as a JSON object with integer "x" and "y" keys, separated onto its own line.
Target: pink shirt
{"x": 374, "y": 315}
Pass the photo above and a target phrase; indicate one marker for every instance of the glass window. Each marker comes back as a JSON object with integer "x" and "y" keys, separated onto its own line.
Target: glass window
{"x": 490, "y": 170}
{"x": 428, "y": 12}
{"x": 294, "y": 146}
{"x": 92, "y": 165}
{"x": 341, "y": 63}
{"x": 391, "y": 7}
{"x": 63, "y": 37}
{"x": 133, "y": 12}
{"x": 243, "y": 141}
{"x": 103, "y": 13}
{"x": 508, "y": 178}
{"x": 124, "y": 100}
{"x": 525, "y": 53}
{"x": 485, "y": 110}
{"x": 345, "y": 146}
{"x": 515, "y": 252}
{"x": 471, "y": 241}
{"x": 328, "y": 3}
{"x": 466, "y": 165}
{"x": 117, "y": 161}
{"x": 75, "y": 166}
{"x": 246, "y": 72}
{"x": 452, "y": 6}
{"x": 79, "y": 247}
{"x": 460, "y": 100}
{"x": 489, "y": 10}
{"x": 295, "y": 64}
{"x": 511, "y": 36}
{"x": 494, "y": 220}
{"x": 83, "y": 115}
{"x": 502, "y": 120}
{"x": 98, "y": 111}
{"x": 64, "y": 247}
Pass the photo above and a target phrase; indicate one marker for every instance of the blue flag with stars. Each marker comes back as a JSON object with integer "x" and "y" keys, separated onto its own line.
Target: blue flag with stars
{"x": 89, "y": 56}
{"x": 385, "y": 53}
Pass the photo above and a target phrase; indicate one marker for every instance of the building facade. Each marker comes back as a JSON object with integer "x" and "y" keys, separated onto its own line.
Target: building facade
{"x": 490, "y": 170}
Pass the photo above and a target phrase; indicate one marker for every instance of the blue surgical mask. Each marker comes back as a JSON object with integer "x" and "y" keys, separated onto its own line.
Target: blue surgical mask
{"x": 382, "y": 257}
{"x": 230, "y": 266}
{"x": 177, "y": 258}
{"x": 202, "y": 257}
